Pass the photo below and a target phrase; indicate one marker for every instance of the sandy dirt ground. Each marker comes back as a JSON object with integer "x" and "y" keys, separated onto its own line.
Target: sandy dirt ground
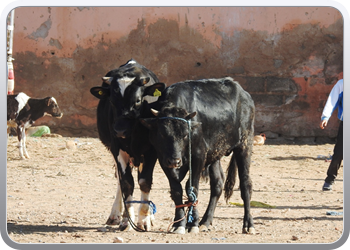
{"x": 63, "y": 195}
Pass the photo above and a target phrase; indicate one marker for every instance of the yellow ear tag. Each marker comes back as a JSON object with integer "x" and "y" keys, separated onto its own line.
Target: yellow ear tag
{"x": 157, "y": 93}
{"x": 100, "y": 92}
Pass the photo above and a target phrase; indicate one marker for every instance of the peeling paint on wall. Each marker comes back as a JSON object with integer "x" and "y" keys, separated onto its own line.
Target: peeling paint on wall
{"x": 56, "y": 43}
{"x": 288, "y": 65}
{"x": 42, "y": 31}
{"x": 82, "y": 8}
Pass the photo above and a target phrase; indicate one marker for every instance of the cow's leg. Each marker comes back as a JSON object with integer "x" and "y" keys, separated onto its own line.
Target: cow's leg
{"x": 243, "y": 157}
{"x": 127, "y": 189}
{"x": 146, "y": 217}
{"x": 179, "y": 226}
{"x": 20, "y": 141}
{"x": 117, "y": 208}
{"x": 176, "y": 192}
{"x": 129, "y": 213}
{"x": 197, "y": 166}
{"x": 24, "y": 138}
{"x": 145, "y": 213}
{"x": 216, "y": 175}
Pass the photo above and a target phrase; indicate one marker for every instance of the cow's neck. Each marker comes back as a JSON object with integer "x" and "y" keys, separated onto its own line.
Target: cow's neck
{"x": 37, "y": 108}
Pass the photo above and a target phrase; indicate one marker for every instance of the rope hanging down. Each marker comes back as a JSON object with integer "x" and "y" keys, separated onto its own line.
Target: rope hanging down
{"x": 192, "y": 198}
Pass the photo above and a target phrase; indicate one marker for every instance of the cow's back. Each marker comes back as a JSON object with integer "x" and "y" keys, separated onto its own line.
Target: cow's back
{"x": 15, "y": 103}
{"x": 225, "y": 89}
{"x": 209, "y": 97}
{"x": 224, "y": 109}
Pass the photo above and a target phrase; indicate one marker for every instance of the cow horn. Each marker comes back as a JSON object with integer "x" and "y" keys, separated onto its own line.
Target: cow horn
{"x": 155, "y": 112}
{"x": 107, "y": 80}
{"x": 145, "y": 80}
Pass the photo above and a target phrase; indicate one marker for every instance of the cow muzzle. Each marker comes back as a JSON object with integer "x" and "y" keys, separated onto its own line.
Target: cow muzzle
{"x": 174, "y": 163}
{"x": 59, "y": 115}
{"x": 120, "y": 133}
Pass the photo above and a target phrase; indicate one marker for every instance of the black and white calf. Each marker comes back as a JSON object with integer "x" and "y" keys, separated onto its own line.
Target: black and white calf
{"x": 23, "y": 111}
{"x": 212, "y": 118}
{"x": 122, "y": 102}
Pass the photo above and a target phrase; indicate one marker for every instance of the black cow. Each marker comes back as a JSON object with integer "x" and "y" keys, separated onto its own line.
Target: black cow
{"x": 122, "y": 102}
{"x": 23, "y": 111}
{"x": 222, "y": 117}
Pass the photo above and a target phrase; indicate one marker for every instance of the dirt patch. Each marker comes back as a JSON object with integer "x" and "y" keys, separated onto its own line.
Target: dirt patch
{"x": 63, "y": 195}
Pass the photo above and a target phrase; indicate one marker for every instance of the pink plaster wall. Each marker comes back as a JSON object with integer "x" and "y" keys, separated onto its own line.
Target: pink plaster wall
{"x": 64, "y": 51}
{"x": 84, "y": 27}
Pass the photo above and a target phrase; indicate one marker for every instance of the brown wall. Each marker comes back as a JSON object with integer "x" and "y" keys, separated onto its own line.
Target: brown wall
{"x": 288, "y": 58}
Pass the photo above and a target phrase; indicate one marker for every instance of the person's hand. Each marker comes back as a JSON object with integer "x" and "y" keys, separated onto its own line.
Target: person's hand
{"x": 323, "y": 124}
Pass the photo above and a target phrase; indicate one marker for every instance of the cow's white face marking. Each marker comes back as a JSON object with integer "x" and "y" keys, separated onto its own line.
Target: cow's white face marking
{"x": 22, "y": 100}
{"x": 54, "y": 100}
{"x": 131, "y": 62}
{"x": 124, "y": 83}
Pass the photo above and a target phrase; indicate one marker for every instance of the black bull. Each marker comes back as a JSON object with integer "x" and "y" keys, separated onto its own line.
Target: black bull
{"x": 222, "y": 120}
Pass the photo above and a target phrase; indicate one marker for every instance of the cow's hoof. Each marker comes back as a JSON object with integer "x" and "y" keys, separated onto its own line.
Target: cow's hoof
{"x": 250, "y": 230}
{"x": 178, "y": 230}
{"x": 124, "y": 227}
{"x": 194, "y": 230}
{"x": 204, "y": 228}
{"x": 145, "y": 226}
{"x": 113, "y": 221}
{"x": 142, "y": 227}
{"x": 146, "y": 223}
{"x": 152, "y": 220}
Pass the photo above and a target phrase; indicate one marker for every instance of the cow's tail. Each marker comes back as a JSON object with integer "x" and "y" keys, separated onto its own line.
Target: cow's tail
{"x": 230, "y": 178}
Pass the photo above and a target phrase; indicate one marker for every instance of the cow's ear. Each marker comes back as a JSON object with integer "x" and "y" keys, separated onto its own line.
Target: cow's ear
{"x": 190, "y": 116}
{"x": 149, "y": 123}
{"x": 155, "y": 89}
{"x": 100, "y": 92}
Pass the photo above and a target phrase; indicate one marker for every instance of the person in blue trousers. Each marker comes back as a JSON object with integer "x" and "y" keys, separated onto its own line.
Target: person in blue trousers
{"x": 334, "y": 101}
